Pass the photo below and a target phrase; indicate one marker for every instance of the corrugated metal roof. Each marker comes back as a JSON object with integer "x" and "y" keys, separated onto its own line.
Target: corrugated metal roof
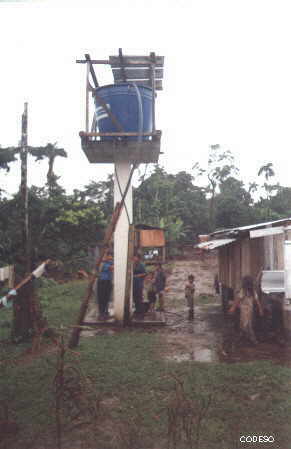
{"x": 265, "y": 232}
{"x": 213, "y": 244}
{"x": 248, "y": 227}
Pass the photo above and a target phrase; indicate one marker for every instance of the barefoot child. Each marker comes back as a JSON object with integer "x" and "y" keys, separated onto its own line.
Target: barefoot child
{"x": 189, "y": 295}
{"x": 246, "y": 300}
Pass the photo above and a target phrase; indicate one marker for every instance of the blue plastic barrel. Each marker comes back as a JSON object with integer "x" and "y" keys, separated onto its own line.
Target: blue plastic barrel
{"x": 122, "y": 100}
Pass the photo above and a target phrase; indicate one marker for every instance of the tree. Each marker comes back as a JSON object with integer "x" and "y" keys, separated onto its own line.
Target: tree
{"x": 233, "y": 204}
{"x": 267, "y": 170}
{"x": 173, "y": 200}
{"x": 7, "y": 155}
{"x": 50, "y": 152}
{"x": 101, "y": 192}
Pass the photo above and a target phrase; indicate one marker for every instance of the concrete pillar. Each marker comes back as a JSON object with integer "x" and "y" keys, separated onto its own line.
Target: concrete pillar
{"x": 121, "y": 238}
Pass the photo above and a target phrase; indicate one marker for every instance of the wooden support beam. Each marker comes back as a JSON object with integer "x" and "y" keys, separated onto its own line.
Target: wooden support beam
{"x": 92, "y": 71}
{"x": 130, "y": 254}
{"x": 153, "y": 80}
{"x": 122, "y": 70}
{"x": 138, "y": 61}
{"x": 108, "y": 111}
{"x": 117, "y": 134}
{"x": 93, "y": 61}
{"x": 136, "y": 74}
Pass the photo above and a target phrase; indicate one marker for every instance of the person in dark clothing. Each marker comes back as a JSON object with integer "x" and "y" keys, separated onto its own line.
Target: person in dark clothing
{"x": 139, "y": 274}
{"x": 151, "y": 291}
{"x": 104, "y": 285}
{"x": 160, "y": 284}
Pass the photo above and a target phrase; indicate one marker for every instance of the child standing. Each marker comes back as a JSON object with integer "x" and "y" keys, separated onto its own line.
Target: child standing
{"x": 246, "y": 300}
{"x": 189, "y": 295}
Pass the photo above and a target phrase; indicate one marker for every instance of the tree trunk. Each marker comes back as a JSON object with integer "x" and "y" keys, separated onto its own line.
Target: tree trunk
{"x": 50, "y": 174}
{"x": 23, "y": 327}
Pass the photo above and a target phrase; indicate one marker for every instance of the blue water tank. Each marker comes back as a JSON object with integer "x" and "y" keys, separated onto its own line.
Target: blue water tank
{"x": 122, "y": 100}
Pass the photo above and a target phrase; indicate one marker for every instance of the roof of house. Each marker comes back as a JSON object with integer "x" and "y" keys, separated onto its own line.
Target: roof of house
{"x": 213, "y": 244}
{"x": 237, "y": 230}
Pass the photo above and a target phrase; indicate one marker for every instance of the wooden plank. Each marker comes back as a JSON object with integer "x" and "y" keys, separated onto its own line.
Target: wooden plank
{"x": 135, "y": 74}
{"x": 109, "y": 112}
{"x": 128, "y": 287}
{"x": 92, "y": 71}
{"x": 147, "y": 83}
{"x": 117, "y": 134}
{"x": 153, "y": 86}
{"x": 93, "y": 61}
{"x": 152, "y": 238}
{"x": 75, "y": 334}
{"x": 139, "y": 61}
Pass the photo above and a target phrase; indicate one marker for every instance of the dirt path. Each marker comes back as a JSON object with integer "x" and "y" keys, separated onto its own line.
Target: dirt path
{"x": 182, "y": 339}
{"x": 204, "y": 271}
{"x": 210, "y": 337}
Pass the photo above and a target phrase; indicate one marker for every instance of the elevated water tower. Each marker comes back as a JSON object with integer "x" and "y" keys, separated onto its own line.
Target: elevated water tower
{"x": 123, "y": 132}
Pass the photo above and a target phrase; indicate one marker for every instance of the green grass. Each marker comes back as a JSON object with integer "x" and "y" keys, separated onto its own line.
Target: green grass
{"x": 126, "y": 368}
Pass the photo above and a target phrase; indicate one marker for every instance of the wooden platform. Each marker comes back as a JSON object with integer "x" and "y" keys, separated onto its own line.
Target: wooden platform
{"x": 149, "y": 319}
{"x": 111, "y": 151}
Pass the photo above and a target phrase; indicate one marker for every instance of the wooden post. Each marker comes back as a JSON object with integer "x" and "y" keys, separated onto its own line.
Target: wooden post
{"x": 128, "y": 287}
{"x": 153, "y": 80}
{"x": 87, "y": 97}
{"x": 24, "y": 191}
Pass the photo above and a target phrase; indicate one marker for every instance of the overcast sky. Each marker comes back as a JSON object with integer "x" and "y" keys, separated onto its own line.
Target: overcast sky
{"x": 227, "y": 78}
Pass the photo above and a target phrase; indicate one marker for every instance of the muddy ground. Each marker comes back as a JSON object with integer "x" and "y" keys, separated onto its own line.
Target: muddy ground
{"x": 211, "y": 336}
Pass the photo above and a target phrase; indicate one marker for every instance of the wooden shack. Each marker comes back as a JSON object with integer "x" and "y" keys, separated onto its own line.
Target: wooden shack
{"x": 150, "y": 242}
{"x": 247, "y": 250}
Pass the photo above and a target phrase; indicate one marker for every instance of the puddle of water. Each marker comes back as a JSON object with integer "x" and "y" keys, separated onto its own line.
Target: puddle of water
{"x": 179, "y": 358}
{"x": 204, "y": 355}
{"x": 198, "y": 355}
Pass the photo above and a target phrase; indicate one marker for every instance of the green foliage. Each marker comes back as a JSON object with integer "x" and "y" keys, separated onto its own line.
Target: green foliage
{"x": 185, "y": 204}
{"x": 61, "y": 226}
{"x": 173, "y": 202}
{"x": 7, "y": 155}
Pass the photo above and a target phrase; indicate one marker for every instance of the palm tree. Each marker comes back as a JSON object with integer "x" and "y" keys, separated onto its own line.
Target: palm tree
{"x": 50, "y": 151}
{"x": 267, "y": 170}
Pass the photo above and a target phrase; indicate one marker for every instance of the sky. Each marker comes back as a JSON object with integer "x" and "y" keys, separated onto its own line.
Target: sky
{"x": 227, "y": 79}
